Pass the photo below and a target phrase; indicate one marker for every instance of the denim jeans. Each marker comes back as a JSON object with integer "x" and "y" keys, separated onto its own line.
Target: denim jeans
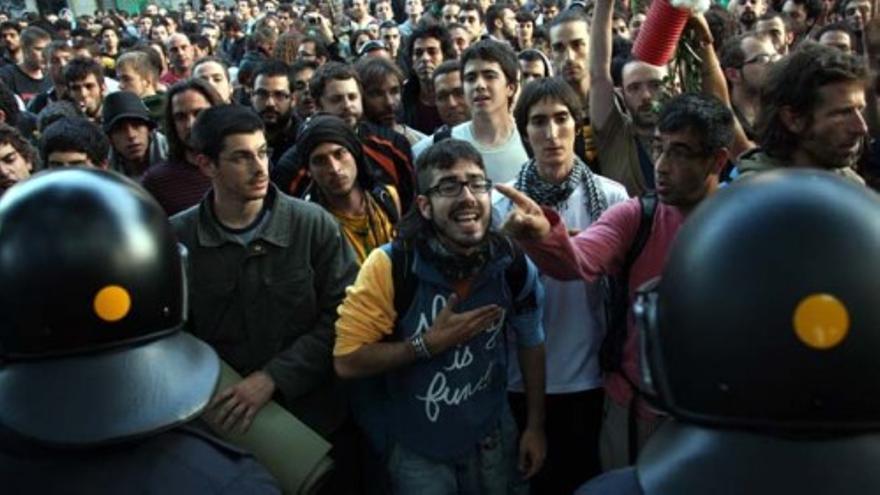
{"x": 489, "y": 469}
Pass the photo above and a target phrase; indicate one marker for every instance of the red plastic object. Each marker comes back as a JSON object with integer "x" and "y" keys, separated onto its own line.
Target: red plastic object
{"x": 659, "y": 35}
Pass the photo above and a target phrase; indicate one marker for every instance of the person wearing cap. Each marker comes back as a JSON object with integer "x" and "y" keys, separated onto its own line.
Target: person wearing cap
{"x": 343, "y": 185}
{"x": 374, "y": 48}
{"x": 135, "y": 143}
{"x": 102, "y": 388}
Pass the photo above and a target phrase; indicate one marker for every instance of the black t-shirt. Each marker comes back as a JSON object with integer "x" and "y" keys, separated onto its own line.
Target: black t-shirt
{"x": 22, "y": 84}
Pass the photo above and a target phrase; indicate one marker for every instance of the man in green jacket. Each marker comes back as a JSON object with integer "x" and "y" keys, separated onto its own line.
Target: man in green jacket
{"x": 266, "y": 274}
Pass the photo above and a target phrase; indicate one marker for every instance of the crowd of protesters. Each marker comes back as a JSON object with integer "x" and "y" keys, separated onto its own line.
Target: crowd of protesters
{"x": 331, "y": 169}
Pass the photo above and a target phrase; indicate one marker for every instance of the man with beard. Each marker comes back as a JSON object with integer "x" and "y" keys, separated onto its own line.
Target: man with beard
{"x": 57, "y": 55}
{"x": 300, "y": 73}
{"x": 746, "y": 59}
{"x": 135, "y": 145}
{"x": 27, "y": 78}
{"x": 773, "y": 26}
{"x": 431, "y": 316}
{"x": 343, "y": 185}
{"x": 10, "y": 42}
{"x": 624, "y": 130}
{"x": 501, "y": 23}
{"x": 857, "y": 13}
{"x": 746, "y": 13}
{"x": 382, "y": 80}
{"x": 17, "y": 157}
{"x": 85, "y": 87}
{"x": 337, "y": 90}
{"x": 271, "y": 101}
{"x": 570, "y": 51}
{"x": 177, "y": 183}
{"x": 803, "y": 15}
{"x": 428, "y": 47}
{"x": 811, "y": 113}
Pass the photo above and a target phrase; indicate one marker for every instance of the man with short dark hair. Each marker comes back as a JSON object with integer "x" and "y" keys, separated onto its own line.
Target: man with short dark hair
{"x": 272, "y": 101}
{"x": 471, "y": 17}
{"x": 85, "y": 87}
{"x": 26, "y": 79}
{"x": 439, "y": 325}
{"x": 449, "y": 94}
{"x": 135, "y": 143}
{"x": 10, "y": 42}
{"x": 17, "y": 157}
{"x": 501, "y": 23}
{"x": 746, "y": 59}
{"x": 215, "y": 72}
{"x": 533, "y": 65}
{"x": 390, "y": 34}
{"x": 268, "y": 272}
{"x": 74, "y": 142}
{"x": 414, "y": 10}
{"x": 774, "y": 26}
{"x": 490, "y": 81}
{"x": 837, "y": 35}
{"x": 746, "y": 13}
{"x": 525, "y": 29}
{"x": 58, "y": 54}
{"x": 301, "y": 73}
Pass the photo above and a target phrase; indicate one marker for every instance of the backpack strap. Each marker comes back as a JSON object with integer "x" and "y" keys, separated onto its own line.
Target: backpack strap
{"x": 383, "y": 196}
{"x": 442, "y": 134}
{"x": 402, "y": 257}
{"x": 648, "y": 203}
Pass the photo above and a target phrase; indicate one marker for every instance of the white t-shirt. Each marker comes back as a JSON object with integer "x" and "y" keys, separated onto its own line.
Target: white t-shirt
{"x": 502, "y": 162}
{"x": 574, "y": 320}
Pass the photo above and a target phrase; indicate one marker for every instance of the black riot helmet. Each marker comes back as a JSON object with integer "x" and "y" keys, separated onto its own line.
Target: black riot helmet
{"x": 761, "y": 340}
{"x": 92, "y": 299}
{"x": 766, "y": 316}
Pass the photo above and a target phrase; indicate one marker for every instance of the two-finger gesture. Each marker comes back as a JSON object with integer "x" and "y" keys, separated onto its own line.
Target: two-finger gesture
{"x": 526, "y": 220}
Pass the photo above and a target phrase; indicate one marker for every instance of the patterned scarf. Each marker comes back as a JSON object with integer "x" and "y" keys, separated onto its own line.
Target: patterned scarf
{"x": 556, "y": 195}
{"x": 455, "y": 266}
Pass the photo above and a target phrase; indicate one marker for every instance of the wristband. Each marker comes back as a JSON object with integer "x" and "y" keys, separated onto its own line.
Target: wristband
{"x": 418, "y": 343}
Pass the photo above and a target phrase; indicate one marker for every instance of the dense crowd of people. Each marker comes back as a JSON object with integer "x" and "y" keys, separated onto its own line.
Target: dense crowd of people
{"x": 418, "y": 225}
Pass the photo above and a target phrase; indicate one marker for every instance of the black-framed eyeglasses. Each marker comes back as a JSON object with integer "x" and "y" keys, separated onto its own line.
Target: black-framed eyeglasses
{"x": 453, "y": 188}
{"x": 763, "y": 59}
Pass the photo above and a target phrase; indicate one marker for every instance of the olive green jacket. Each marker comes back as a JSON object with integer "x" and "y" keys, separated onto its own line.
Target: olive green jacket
{"x": 271, "y": 305}
{"x": 757, "y": 160}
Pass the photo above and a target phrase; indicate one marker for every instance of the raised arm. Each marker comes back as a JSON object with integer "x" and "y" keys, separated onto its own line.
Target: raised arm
{"x": 601, "y": 84}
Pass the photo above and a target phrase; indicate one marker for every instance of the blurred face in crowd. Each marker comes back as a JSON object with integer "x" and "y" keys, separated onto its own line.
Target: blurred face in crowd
{"x": 382, "y": 101}
{"x": 570, "y": 46}
{"x": 130, "y": 80}
{"x": 358, "y": 9}
{"x": 303, "y": 103}
{"x": 159, "y": 33}
{"x": 215, "y": 74}
{"x": 642, "y": 90}
{"x": 58, "y": 159}
{"x": 774, "y": 30}
{"x": 145, "y": 24}
{"x": 524, "y": 31}
{"x": 832, "y": 136}
{"x": 471, "y": 20}
{"x": 185, "y": 108}
{"x": 450, "y": 100}
{"x": 87, "y": 94}
{"x": 506, "y": 23}
{"x": 384, "y": 12}
{"x": 461, "y": 40}
{"x": 271, "y": 100}
{"x": 13, "y": 167}
{"x": 635, "y": 24}
{"x": 486, "y": 88}
{"x": 212, "y": 33}
{"x": 683, "y": 170}
{"x": 391, "y": 37}
{"x": 857, "y": 13}
{"x": 342, "y": 98}
{"x": 110, "y": 40}
{"x": 620, "y": 28}
{"x": 449, "y": 13}
{"x": 798, "y": 15}
{"x": 33, "y": 54}
{"x": 427, "y": 55}
{"x": 9, "y": 40}
{"x": 307, "y": 51}
{"x": 837, "y": 39}
{"x": 131, "y": 139}
{"x": 748, "y": 11}
{"x": 759, "y": 56}
{"x": 180, "y": 53}
{"x": 531, "y": 70}
{"x": 56, "y": 63}
{"x": 414, "y": 8}
{"x": 549, "y": 11}
{"x": 334, "y": 169}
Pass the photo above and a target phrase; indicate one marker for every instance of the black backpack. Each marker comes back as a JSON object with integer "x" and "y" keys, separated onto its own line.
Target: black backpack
{"x": 617, "y": 292}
